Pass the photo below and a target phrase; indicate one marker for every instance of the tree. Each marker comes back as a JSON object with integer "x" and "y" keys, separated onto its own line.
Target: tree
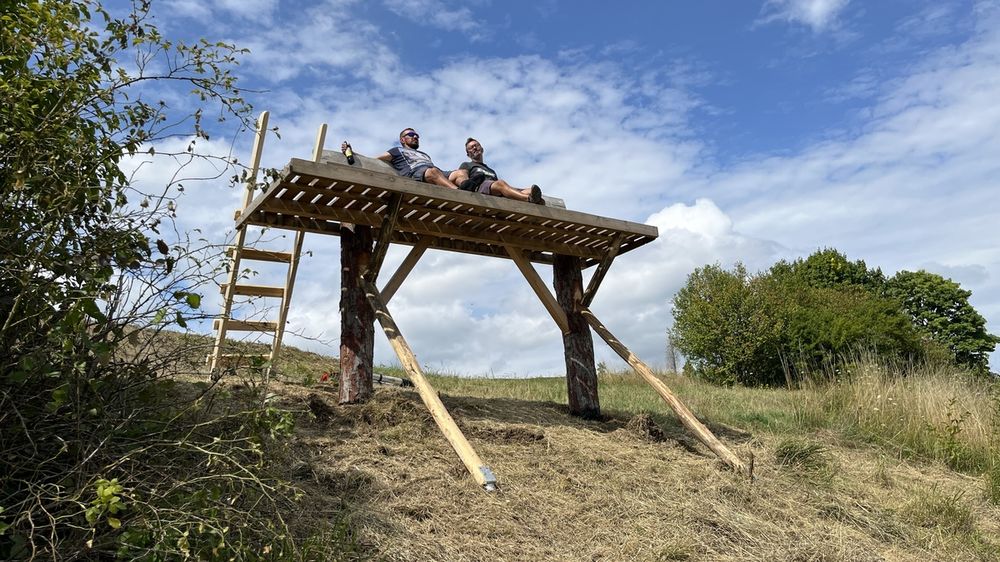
{"x": 800, "y": 317}
{"x": 727, "y": 327}
{"x": 93, "y": 444}
{"x": 827, "y": 325}
{"x": 940, "y": 310}
{"x": 829, "y": 268}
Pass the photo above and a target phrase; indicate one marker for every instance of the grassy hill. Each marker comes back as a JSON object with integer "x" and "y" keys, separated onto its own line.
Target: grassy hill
{"x": 875, "y": 467}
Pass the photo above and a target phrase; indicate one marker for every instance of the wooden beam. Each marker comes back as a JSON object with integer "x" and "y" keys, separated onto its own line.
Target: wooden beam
{"x": 602, "y": 270}
{"x": 480, "y": 472}
{"x": 686, "y": 416}
{"x": 320, "y": 139}
{"x": 537, "y": 285}
{"x": 409, "y": 262}
{"x": 384, "y": 237}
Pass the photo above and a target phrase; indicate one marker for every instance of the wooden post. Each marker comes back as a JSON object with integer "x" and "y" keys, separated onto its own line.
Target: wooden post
{"x": 578, "y": 344}
{"x": 482, "y": 473}
{"x": 357, "y": 319}
{"x": 686, "y": 416}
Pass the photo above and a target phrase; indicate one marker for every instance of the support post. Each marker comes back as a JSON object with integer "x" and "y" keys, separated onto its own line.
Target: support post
{"x": 686, "y": 416}
{"x": 482, "y": 473}
{"x": 578, "y": 344}
{"x": 357, "y": 320}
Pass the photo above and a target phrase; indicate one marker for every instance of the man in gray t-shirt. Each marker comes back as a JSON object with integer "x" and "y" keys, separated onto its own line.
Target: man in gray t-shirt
{"x": 475, "y": 175}
{"x": 412, "y": 163}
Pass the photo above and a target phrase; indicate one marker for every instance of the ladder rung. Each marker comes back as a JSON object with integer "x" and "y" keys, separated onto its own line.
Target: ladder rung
{"x": 263, "y": 255}
{"x": 246, "y": 325}
{"x": 254, "y": 290}
{"x": 236, "y": 358}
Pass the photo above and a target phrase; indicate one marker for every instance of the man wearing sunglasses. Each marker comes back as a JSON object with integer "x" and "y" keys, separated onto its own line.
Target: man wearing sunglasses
{"x": 475, "y": 175}
{"x": 412, "y": 163}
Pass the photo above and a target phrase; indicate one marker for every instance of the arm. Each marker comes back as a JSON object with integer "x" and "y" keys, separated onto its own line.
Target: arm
{"x": 385, "y": 156}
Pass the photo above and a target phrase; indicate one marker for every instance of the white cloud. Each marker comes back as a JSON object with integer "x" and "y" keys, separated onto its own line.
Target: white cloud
{"x": 438, "y": 14}
{"x": 818, "y": 15}
{"x": 911, "y": 187}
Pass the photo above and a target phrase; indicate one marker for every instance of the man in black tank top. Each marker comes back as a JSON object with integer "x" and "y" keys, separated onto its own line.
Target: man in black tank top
{"x": 483, "y": 179}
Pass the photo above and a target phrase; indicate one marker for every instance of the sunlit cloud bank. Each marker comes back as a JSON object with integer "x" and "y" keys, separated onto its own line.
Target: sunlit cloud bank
{"x": 906, "y": 186}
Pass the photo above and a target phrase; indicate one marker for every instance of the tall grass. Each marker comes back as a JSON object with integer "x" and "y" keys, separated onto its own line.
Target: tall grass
{"x": 927, "y": 412}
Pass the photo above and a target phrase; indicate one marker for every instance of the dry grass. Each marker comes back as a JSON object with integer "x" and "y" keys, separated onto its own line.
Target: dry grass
{"x": 625, "y": 488}
{"x": 838, "y": 476}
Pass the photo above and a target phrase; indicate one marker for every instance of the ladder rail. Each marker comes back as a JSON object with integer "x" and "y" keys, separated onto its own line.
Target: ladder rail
{"x": 241, "y": 234}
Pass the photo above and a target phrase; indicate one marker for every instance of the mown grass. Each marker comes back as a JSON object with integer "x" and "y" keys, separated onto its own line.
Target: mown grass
{"x": 925, "y": 413}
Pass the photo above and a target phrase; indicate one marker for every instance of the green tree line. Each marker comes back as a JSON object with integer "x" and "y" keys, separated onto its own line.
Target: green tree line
{"x": 807, "y": 315}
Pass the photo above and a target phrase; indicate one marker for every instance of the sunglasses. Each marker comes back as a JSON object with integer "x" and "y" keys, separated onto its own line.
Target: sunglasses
{"x": 411, "y": 134}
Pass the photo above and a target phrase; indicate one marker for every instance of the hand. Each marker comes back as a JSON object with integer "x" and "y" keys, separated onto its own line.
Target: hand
{"x": 343, "y": 146}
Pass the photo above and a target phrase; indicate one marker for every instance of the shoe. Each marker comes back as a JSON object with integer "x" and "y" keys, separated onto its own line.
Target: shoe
{"x": 473, "y": 183}
{"x": 536, "y": 195}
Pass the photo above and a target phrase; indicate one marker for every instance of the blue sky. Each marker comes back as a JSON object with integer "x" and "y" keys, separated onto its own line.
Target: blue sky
{"x": 746, "y": 131}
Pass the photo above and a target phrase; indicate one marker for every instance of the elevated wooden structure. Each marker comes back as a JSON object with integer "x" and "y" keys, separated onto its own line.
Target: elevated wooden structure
{"x": 328, "y": 196}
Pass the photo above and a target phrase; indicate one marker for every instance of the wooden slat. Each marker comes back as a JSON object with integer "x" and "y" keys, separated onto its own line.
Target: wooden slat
{"x": 246, "y": 325}
{"x": 422, "y": 228}
{"x": 537, "y": 285}
{"x": 264, "y": 255}
{"x": 254, "y": 290}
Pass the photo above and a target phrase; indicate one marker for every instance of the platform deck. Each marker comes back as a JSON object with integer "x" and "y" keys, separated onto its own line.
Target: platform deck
{"x": 318, "y": 197}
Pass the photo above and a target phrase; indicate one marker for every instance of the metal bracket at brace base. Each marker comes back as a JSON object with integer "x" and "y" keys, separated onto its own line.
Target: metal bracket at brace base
{"x": 490, "y": 484}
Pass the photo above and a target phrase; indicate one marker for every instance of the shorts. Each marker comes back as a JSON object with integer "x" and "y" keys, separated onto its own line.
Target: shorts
{"x": 418, "y": 173}
{"x": 484, "y": 187}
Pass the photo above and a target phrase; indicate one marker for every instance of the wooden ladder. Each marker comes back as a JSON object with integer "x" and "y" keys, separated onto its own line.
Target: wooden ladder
{"x": 239, "y": 252}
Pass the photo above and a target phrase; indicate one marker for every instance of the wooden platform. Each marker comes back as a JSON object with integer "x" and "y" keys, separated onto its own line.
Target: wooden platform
{"x": 318, "y": 196}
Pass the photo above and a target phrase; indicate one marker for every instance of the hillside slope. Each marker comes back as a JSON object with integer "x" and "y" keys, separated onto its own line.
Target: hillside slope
{"x": 386, "y": 482}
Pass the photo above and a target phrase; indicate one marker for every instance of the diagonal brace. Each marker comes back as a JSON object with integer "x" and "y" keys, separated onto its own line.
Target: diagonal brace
{"x": 687, "y": 418}
{"x": 548, "y": 301}
{"x": 384, "y": 236}
{"x": 482, "y": 473}
{"x": 602, "y": 269}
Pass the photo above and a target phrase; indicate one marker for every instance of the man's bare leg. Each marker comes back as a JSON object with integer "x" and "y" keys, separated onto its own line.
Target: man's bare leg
{"x": 433, "y": 175}
{"x": 458, "y": 176}
{"x": 503, "y": 189}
